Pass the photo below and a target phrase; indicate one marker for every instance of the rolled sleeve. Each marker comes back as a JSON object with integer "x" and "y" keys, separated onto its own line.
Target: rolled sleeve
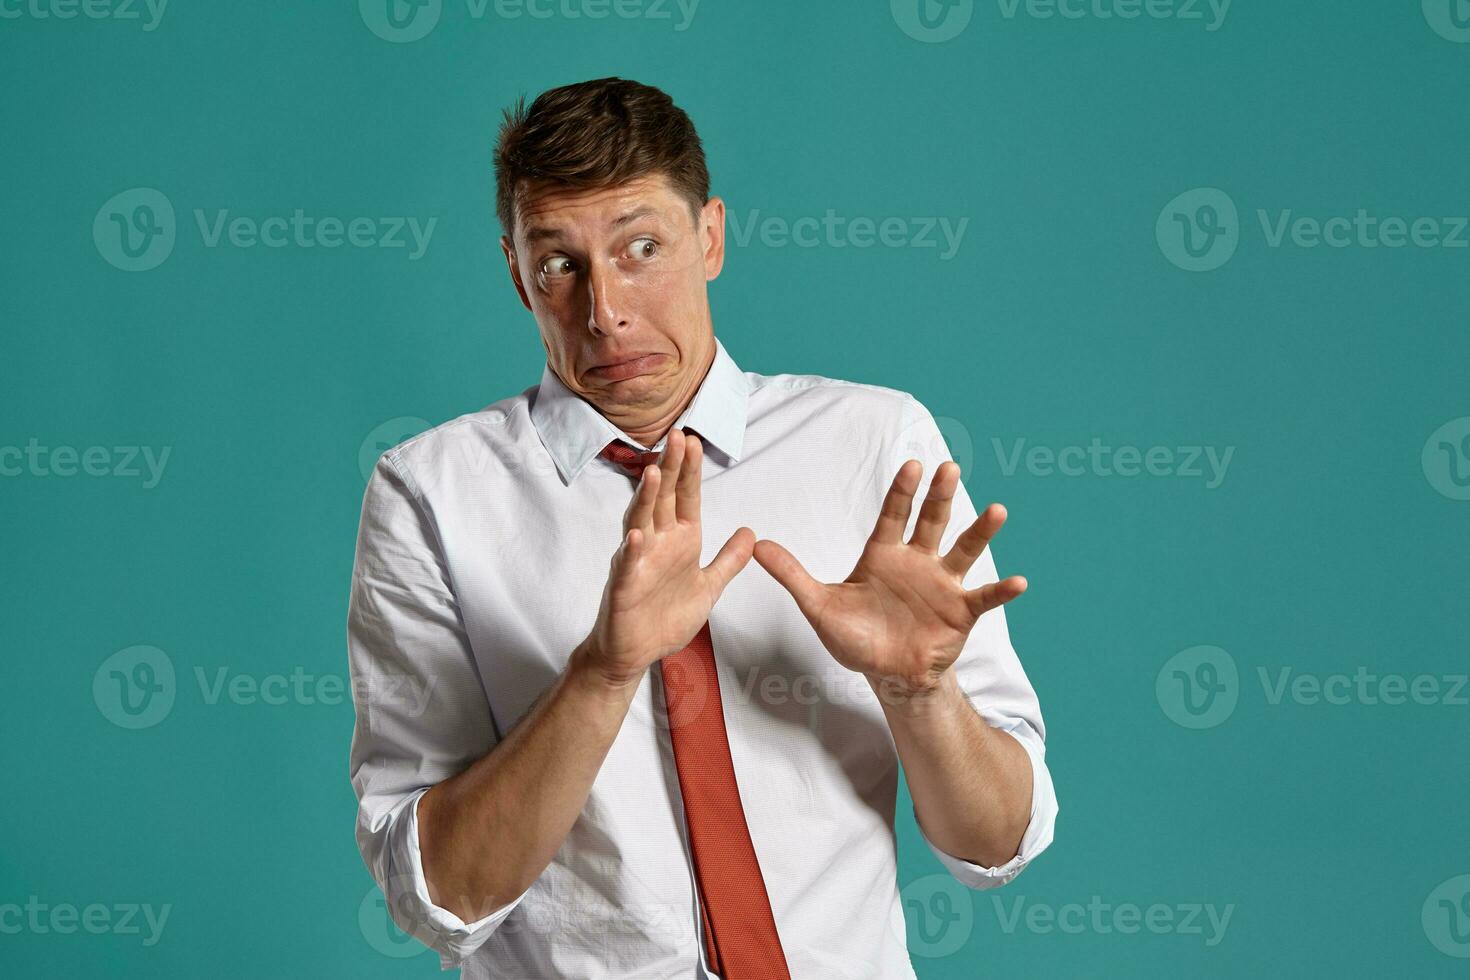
{"x": 440, "y": 929}
{"x": 1038, "y": 832}
{"x": 988, "y": 670}
{"x": 421, "y": 711}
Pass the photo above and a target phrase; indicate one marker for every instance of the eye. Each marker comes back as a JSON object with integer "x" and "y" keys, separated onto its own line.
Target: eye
{"x": 556, "y": 267}
{"x": 644, "y": 248}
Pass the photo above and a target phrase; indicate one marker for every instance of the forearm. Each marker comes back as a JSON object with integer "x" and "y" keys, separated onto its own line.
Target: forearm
{"x": 971, "y": 783}
{"x": 486, "y": 834}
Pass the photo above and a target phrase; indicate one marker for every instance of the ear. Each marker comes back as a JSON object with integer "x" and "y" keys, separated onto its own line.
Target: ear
{"x": 712, "y": 237}
{"x": 509, "y": 249}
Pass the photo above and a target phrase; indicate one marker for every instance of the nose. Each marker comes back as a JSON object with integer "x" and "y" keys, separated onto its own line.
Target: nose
{"x": 608, "y": 309}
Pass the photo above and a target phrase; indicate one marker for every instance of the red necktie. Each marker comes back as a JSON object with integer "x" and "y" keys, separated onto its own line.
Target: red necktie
{"x": 740, "y": 931}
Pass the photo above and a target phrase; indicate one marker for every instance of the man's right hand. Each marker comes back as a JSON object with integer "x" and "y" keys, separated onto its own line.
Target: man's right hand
{"x": 487, "y": 833}
{"x": 657, "y": 596}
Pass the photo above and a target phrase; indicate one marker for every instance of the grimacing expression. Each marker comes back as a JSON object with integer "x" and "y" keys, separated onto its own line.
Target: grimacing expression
{"x": 616, "y": 272}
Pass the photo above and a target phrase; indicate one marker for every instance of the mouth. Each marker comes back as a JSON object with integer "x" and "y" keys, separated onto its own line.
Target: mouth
{"x": 629, "y": 368}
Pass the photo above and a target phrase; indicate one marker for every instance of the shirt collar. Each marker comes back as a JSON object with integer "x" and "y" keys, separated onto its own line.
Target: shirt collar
{"x": 574, "y": 431}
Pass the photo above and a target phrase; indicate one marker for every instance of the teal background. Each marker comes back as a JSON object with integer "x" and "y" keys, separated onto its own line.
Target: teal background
{"x": 267, "y": 373}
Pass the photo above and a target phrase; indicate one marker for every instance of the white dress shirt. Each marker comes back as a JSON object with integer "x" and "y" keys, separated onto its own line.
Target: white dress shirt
{"x": 482, "y": 554}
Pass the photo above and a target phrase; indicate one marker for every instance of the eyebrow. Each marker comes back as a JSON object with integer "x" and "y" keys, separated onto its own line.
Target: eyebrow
{"x": 537, "y": 233}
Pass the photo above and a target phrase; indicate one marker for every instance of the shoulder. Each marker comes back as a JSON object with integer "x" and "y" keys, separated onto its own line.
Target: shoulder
{"x": 870, "y": 421}
{"x": 475, "y": 441}
{"x": 859, "y": 403}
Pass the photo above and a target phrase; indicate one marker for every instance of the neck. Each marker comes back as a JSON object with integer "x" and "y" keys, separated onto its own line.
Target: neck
{"x": 649, "y": 433}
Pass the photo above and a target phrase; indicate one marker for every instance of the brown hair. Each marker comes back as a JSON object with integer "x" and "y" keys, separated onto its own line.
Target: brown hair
{"x": 597, "y": 134}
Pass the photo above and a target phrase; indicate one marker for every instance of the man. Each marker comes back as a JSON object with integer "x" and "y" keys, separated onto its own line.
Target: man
{"x": 639, "y": 758}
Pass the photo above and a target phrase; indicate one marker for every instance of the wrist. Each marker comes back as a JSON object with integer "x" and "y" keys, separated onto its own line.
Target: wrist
{"x": 587, "y": 668}
{"x": 898, "y": 694}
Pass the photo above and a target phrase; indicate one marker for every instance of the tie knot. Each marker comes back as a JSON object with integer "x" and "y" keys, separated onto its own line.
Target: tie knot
{"x": 631, "y": 460}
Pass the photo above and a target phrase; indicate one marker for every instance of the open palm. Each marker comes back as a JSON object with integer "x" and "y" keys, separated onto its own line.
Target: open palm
{"x": 657, "y": 596}
{"x": 902, "y": 615}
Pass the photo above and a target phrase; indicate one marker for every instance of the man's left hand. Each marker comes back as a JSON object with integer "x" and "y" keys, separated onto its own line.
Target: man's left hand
{"x": 902, "y": 615}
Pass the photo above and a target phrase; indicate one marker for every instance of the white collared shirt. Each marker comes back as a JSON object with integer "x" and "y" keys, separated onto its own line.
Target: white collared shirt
{"x": 482, "y": 553}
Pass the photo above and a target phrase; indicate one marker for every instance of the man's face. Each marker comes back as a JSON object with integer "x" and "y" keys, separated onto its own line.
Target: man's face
{"x": 617, "y": 273}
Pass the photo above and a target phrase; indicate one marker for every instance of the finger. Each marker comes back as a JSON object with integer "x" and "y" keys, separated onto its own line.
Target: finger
{"x": 669, "y": 465}
{"x": 686, "y": 497}
{"x": 627, "y": 553}
{"x": 786, "y": 570}
{"x": 633, "y": 545}
{"x": 640, "y": 512}
{"x": 934, "y": 515}
{"x": 893, "y": 518}
{"x": 633, "y": 500}
{"x": 734, "y": 556}
{"x": 987, "y": 597}
{"x": 974, "y": 539}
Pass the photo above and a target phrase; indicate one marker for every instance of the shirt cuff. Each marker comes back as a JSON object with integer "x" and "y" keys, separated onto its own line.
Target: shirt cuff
{"x": 437, "y": 927}
{"x": 1038, "y": 832}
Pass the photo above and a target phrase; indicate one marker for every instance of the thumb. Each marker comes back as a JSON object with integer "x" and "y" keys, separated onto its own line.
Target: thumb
{"x": 734, "y": 556}
{"x": 785, "y": 569}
